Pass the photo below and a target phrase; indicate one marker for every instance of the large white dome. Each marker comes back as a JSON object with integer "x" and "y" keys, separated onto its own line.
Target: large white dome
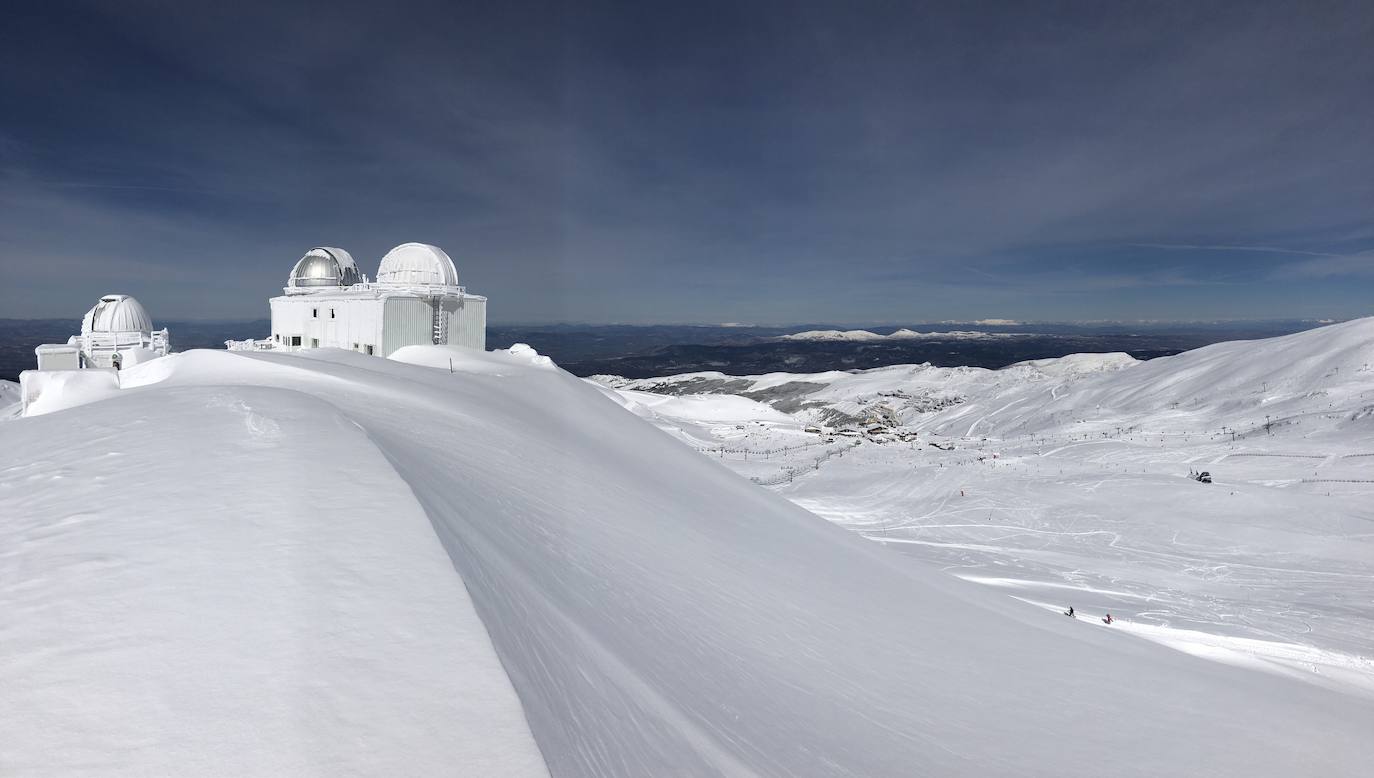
{"x": 417, "y": 264}
{"x": 324, "y": 266}
{"x": 117, "y": 313}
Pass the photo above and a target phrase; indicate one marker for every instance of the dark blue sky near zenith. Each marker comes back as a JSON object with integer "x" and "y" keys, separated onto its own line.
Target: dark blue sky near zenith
{"x": 699, "y": 161}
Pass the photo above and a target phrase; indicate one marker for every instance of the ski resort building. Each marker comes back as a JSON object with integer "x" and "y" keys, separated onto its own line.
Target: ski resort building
{"x": 415, "y": 299}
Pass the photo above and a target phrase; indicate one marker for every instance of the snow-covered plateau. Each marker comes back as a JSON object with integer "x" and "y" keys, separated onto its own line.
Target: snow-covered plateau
{"x": 457, "y": 562}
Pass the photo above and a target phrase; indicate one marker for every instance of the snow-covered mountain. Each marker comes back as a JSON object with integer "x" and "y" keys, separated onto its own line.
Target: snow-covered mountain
{"x": 900, "y": 394}
{"x": 1287, "y": 377}
{"x": 1293, "y": 380}
{"x": 266, "y": 564}
{"x": 902, "y": 334}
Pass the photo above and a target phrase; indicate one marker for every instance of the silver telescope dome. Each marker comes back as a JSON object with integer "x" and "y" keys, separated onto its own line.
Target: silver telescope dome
{"x": 324, "y": 266}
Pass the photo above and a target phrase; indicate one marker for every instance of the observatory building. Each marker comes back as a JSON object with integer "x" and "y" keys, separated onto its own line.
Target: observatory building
{"x": 116, "y": 332}
{"x": 415, "y": 299}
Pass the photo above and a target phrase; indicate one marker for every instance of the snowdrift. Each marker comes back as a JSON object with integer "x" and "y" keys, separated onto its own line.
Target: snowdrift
{"x": 9, "y": 399}
{"x": 269, "y": 563}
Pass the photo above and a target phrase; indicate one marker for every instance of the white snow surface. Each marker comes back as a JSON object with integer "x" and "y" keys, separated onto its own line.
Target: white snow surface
{"x": 271, "y": 564}
{"x": 9, "y": 399}
{"x": 55, "y": 390}
{"x": 203, "y": 580}
{"x": 705, "y": 408}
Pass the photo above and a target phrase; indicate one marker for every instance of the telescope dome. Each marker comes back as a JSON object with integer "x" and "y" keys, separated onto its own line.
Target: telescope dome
{"x": 417, "y": 264}
{"x": 117, "y": 313}
{"x": 324, "y": 266}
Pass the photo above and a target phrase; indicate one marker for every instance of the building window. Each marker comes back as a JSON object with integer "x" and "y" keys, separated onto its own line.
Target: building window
{"x": 368, "y": 348}
{"x": 315, "y": 312}
{"x": 295, "y": 340}
{"x": 331, "y": 313}
{"x": 314, "y": 343}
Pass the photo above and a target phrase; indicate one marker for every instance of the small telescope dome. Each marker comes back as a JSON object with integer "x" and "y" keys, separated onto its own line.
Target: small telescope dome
{"x": 117, "y": 313}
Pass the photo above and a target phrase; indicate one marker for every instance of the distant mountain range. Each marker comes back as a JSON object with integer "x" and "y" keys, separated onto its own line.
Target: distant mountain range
{"x": 640, "y": 351}
{"x": 866, "y": 336}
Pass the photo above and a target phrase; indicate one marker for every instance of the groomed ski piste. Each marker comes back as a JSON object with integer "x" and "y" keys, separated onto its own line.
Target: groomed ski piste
{"x": 455, "y": 562}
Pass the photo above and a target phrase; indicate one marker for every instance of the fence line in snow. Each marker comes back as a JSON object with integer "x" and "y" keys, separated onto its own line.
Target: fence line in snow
{"x": 788, "y": 473}
{"x": 763, "y": 452}
{"x": 1288, "y": 456}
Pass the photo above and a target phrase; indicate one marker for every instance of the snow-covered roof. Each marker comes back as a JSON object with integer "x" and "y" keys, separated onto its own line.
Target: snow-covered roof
{"x": 117, "y": 313}
{"x": 324, "y": 266}
{"x": 417, "y": 264}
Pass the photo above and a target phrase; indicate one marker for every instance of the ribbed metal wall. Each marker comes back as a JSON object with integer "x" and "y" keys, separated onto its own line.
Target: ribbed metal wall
{"x": 408, "y": 321}
{"x": 468, "y": 323}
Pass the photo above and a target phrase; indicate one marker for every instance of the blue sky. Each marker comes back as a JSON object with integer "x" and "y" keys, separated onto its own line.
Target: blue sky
{"x": 697, "y": 162}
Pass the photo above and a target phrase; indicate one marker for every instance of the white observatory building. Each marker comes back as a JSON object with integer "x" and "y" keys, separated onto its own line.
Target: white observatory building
{"x": 116, "y": 332}
{"x": 415, "y": 299}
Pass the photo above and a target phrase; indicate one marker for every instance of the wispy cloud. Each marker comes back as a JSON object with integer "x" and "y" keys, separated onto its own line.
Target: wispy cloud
{"x": 1359, "y": 265}
{"x": 1255, "y": 249}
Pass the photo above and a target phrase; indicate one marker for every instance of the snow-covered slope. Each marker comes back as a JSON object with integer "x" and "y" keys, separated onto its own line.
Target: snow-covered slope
{"x": 234, "y": 566}
{"x": 1065, "y": 481}
{"x": 1292, "y": 379}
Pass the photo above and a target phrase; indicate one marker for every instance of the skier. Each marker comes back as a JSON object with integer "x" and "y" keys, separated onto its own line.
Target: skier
{"x": 1108, "y": 619}
{"x": 1069, "y": 612}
